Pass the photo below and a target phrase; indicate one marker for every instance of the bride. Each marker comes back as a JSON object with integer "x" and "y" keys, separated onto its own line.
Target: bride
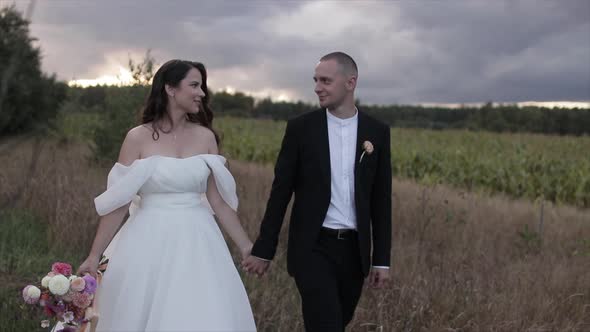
{"x": 170, "y": 268}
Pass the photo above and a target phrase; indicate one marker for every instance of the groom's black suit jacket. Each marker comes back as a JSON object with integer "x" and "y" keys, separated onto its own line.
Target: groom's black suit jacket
{"x": 303, "y": 168}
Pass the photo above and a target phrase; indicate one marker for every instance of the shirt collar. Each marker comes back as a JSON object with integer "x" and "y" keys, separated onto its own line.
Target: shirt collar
{"x": 337, "y": 120}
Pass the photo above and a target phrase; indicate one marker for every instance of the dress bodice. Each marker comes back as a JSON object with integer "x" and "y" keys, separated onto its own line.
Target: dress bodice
{"x": 175, "y": 175}
{"x": 166, "y": 182}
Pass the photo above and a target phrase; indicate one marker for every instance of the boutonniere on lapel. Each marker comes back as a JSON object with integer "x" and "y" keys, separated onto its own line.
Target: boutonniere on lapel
{"x": 367, "y": 148}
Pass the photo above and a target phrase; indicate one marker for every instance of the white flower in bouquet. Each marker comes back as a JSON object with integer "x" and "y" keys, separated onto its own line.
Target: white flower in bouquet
{"x": 31, "y": 294}
{"x": 45, "y": 281}
{"x": 45, "y": 323}
{"x": 59, "y": 285}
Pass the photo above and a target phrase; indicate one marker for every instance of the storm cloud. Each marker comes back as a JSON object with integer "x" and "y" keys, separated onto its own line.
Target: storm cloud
{"x": 407, "y": 51}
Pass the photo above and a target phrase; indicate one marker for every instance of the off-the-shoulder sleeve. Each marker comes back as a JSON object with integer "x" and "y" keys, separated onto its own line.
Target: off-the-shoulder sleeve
{"x": 123, "y": 183}
{"x": 226, "y": 185}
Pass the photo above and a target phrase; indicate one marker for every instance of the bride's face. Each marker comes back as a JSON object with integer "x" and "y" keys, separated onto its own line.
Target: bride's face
{"x": 189, "y": 93}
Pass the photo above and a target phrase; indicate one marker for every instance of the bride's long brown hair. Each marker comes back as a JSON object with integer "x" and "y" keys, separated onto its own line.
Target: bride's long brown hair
{"x": 171, "y": 73}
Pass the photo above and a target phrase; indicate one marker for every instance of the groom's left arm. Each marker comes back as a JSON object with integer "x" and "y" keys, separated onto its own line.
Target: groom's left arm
{"x": 381, "y": 204}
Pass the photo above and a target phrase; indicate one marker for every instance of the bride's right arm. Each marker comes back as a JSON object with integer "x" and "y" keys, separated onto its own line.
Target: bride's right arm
{"x": 109, "y": 224}
{"x": 107, "y": 228}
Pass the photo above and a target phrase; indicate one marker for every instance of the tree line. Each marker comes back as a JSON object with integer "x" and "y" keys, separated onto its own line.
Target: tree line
{"x": 488, "y": 117}
{"x": 30, "y": 99}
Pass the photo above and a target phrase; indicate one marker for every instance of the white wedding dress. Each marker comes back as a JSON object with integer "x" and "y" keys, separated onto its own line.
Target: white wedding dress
{"x": 170, "y": 268}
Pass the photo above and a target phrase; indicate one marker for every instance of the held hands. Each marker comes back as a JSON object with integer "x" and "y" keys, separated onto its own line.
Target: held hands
{"x": 252, "y": 264}
{"x": 378, "y": 277}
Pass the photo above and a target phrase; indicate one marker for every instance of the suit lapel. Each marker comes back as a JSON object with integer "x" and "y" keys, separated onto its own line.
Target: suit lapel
{"x": 361, "y": 136}
{"x": 324, "y": 146}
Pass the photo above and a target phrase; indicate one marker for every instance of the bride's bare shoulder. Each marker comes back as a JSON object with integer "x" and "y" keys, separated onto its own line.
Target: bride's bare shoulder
{"x": 133, "y": 144}
{"x": 141, "y": 132}
{"x": 145, "y": 128}
{"x": 206, "y": 135}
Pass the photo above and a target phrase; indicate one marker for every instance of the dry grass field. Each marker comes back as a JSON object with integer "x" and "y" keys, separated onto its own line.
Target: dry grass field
{"x": 461, "y": 261}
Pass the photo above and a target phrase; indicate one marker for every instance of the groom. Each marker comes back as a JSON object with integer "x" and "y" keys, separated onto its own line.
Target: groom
{"x": 337, "y": 162}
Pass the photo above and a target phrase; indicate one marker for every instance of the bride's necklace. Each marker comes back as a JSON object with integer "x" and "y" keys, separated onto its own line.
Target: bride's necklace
{"x": 175, "y": 132}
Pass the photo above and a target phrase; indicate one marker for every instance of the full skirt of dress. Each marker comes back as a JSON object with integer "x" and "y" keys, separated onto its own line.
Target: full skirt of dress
{"x": 171, "y": 270}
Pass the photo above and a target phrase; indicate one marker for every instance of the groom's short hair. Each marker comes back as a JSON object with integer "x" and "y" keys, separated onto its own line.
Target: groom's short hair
{"x": 346, "y": 61}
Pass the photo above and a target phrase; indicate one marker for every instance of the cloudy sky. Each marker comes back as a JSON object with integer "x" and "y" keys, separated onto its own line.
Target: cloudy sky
{"x": 455, "y": 51}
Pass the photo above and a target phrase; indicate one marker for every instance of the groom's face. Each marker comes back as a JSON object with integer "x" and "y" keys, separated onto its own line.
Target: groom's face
{"x": 330, "y": 84}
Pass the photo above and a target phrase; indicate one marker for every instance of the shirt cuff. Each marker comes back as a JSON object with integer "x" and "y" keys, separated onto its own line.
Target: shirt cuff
{"x": 262, "y": 259}
{"x": 381, "y": 267}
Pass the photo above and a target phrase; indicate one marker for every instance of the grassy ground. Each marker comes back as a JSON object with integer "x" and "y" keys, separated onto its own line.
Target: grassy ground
{"x": 461, "y": 261}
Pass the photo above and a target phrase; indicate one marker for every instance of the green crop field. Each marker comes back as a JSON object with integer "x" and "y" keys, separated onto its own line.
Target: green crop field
{"x": 520, "y": 165}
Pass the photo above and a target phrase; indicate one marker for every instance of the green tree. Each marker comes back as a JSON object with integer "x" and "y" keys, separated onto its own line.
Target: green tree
{"x": 28, "y": 98}
{"x": 122, "y": 110}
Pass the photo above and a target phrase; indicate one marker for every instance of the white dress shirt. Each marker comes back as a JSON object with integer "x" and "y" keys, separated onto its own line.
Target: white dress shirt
{"x": 342, "y": 139}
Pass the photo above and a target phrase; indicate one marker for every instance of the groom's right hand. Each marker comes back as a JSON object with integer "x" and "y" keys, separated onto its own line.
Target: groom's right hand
{"x": 253, "y": 264}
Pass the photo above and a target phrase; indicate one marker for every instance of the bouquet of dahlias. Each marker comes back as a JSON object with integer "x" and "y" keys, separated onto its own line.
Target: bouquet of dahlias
{"x": 66, "y": 298}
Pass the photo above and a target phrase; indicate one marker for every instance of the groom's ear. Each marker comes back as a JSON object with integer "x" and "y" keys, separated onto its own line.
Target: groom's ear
{"x": 351, "y": 82}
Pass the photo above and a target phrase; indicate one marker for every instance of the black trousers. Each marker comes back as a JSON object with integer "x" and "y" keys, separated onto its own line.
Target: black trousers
{"x": 330, "y": 284}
